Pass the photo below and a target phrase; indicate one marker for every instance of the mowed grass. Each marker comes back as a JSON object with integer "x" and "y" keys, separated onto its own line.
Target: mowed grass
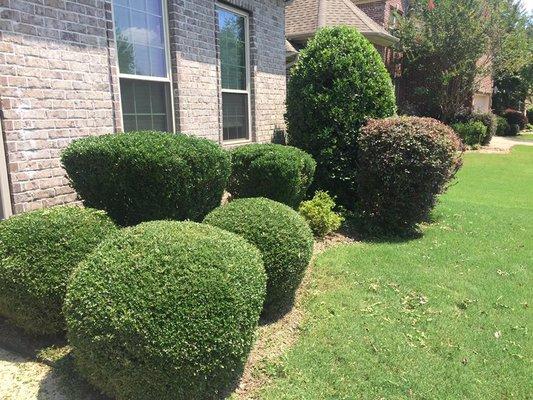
{"x": 445, "y": 316}
{"x": 526, "y": 136}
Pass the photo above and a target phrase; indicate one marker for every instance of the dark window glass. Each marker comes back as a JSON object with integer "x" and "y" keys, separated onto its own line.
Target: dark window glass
{"x": 144, "y": 105}
{"x": 235, "y": 116}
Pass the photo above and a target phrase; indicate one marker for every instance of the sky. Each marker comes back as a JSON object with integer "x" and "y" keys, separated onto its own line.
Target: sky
{"x": 528, "y": 4}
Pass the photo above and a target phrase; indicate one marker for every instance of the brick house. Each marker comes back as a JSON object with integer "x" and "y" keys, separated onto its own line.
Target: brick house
{"x": 70, "y": 69}
{"x": 371, "y": 18}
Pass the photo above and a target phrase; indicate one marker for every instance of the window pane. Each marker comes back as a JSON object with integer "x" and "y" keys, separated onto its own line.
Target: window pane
{"x": 232, "y": 43}
{"x": 235, "y": 116}
{"x": 140, "y": 37}
{"x": 144, "y": 105}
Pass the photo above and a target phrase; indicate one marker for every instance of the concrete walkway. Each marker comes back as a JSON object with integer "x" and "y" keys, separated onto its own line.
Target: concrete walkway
{"x": 22, "y": 379}
{"x": 505, "y": 143}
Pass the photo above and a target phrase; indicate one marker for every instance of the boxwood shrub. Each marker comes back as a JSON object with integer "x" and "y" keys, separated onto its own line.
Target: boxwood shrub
{"x": 274, "y": 171}
{"x": 471, "y": 133}
{"x": 283, "y": 237}
{"x": 338, "y": 83}
{"x": 38, "y": 251}
{"x": 165, "y": 310}
{"x": 503, "y": 127}
{"x": 144, "y": 176}
{"x": 419, "y": 155}
{"x": 490, "y": 120}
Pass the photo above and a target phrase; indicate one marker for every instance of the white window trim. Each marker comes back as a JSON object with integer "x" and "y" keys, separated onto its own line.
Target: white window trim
{"x": 168, "y": 79}
{"x": 248, "y": 90}
{"x": 5, "y": 195}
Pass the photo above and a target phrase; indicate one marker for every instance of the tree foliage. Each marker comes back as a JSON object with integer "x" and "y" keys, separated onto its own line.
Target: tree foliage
{"x": 450, "y": 48}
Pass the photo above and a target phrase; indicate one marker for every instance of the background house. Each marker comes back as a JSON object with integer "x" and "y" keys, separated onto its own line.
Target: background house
{"x": 70, "y": 69}
{"x": 374, "y": 19}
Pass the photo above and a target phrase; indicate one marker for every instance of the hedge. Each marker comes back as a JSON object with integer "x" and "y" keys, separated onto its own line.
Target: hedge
{"x": 338, "y": 83}
{"x": 280, "y": 173}
{"x": 283, "y": 237}
{"x": 38, "y": 251}
{"x": 165, "y": 310}
{"x": 145, "y": 176}
{"x": 420, "y": 156}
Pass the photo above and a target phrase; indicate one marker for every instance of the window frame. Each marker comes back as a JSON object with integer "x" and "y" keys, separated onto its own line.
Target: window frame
{"x": 169, "y": 97}
{"x": 248, "y": 90}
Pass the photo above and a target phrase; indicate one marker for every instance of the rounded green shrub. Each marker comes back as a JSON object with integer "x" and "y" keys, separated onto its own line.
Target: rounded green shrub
{"x": 338, "y": 83}
{"x": 404, "y": 163}
{"x": 277, "y": 172}
{"x": 503, "y": 127}
{"x": 143, "y": 176}
{"x": 283, "y": 237}
{"x": 471, "y": 133}
{"x": 38, "y": 251}
{"x": 490, "y": 120}
{"x": 319, "y": 214}
{"x": 515, "y": 117}
{"x": 165, "y": 310}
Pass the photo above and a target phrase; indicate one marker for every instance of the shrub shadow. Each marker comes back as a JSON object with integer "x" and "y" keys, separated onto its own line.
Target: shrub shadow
{"x": 356, "y": 229}
{"x": 16, "y": 340}
{"x": 272, "y": 315}
{"x": 64, "y": 382}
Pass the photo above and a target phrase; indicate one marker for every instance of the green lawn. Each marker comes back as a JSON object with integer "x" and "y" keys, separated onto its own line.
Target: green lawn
{"x": 526, "y": 136}
{"x": 445, "y": 316}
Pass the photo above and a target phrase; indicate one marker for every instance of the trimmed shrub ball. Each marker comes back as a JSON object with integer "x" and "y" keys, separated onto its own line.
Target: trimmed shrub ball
{"x": 165, "y": 310}
{"x": 338, "y": 83}
{"x": 38, "y": 251}
{"x": 490, "y": 120}
{"x": 404, "y": 163}
{"x": 515, "y": 117}
{"x": 503, "y": 127}
{"x": 143, "y": 176}
{"x": 280, "y": 173}
{"x": 283, "y": 237}
{"x": 471, "y": 133}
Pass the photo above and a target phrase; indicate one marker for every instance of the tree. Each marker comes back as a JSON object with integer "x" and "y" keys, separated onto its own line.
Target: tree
{"x": 450, "y": 47}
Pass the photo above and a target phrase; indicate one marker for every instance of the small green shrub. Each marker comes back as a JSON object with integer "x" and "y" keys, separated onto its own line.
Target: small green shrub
{"x": 338, "y": 83}
{"x": 514, "y": 130}
{"x": 143, "y": 176}
{"x": 490, "y": 120}
{"x": 503, "y": 127}
{"x": 471, "y": 133}
{"x": 165, "y": 310}
{"x": 38, "y": 251}
{"x": 283, "y": 237}
{"x": 515, "y": 117}
{"x": 319, "y": 214}
{"x": 404, "y": 164}
{"x": 280, "y": 173}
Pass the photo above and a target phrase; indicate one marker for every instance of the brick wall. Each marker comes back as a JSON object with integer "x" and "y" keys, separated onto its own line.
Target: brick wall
{"x": 380, "y": 11}
{"x": 196, "y": 69}
{"x": 57, "y": 83}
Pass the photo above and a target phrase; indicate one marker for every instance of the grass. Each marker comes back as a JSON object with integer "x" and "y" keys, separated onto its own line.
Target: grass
{"x": 445, "y": 316}
{"x": 526, "y": 136}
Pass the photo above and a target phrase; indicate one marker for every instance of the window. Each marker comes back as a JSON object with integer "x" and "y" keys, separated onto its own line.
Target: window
{"x": 140, "y": 28}
{"x": 233, "y": 42}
